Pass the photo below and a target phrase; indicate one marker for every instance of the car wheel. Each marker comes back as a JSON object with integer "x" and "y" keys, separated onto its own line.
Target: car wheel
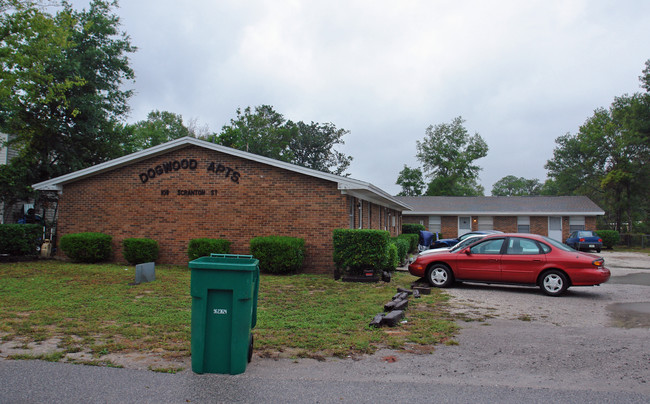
{"x": 598, "y": 250}
{"x": 440, "y": 276}
{"x": 554, "y": 283}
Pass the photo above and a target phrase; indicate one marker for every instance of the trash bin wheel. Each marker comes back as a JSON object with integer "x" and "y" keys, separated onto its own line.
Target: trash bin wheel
{"x": 250, "y": 348}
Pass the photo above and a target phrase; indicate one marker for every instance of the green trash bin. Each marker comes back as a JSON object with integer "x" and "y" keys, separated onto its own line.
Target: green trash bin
{"x": 224, "y": 292}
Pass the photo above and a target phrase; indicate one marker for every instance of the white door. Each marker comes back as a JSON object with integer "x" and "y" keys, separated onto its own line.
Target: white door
{"x": 464, "y": 225}
{"x": 555, "y": 228}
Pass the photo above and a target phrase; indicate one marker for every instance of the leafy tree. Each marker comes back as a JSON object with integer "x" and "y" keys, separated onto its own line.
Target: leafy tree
{"x": 411, "y": 180}
{"x": 516, "y": 186}
{"x": 312, "y": 146}
{"x": 266, "y": 132}
{"x": 447, "y": 154}
{"x": 61, "y": 85}
{"x": 61, "y": 89}
{"x": 262, "y": 132}
{"x": 607, "y": 159}
{"x": 158, "y": 128}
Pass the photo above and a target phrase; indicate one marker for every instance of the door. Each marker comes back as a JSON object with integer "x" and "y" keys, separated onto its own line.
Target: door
{"x": 464, "y": 225}
{"x": 522, "y": 261}
{"x": 483, "y": 263}
{"x": 555, "y": 228}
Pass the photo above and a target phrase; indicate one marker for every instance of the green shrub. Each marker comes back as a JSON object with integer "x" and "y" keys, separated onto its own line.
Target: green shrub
{"x": 392, "y": 260}
{"x": 139, "y": 250}
{"x": 19, "y": 239}
{"x": 610, "y": 237}
{"x": 87, "y": 247}
{"x": 403, "y": 247}
{"x": 358, "y": 250}
{"x": 278, "y": 255}
{"x": 413, "y": 240}
{"x": 412, "y": 228}
{"x": 201, "y": 247}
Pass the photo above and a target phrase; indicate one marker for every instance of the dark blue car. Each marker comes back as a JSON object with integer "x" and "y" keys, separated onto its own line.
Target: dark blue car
{"x": 450, "y": 242}
{"x": 585, "y": 240}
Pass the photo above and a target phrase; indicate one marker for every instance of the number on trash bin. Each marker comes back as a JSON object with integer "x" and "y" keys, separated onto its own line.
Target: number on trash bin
{"x": 220, "y": 311}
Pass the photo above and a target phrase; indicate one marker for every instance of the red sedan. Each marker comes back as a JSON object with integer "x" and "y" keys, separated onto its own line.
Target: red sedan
{"x": 520, "y": 259}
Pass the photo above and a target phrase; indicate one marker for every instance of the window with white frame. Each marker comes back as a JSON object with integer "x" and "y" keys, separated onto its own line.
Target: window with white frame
{"x": 435, "y": 224}
{"x": 485, "y": 223}
{"x": 523, "y": 224}
{"x": 576, "y": 223}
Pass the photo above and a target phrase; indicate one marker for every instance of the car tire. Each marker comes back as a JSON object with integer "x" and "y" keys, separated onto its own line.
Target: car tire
{"x": 553, "y": 283}
{"x": 598, "y": 251}
{"x": 440, "y": 276}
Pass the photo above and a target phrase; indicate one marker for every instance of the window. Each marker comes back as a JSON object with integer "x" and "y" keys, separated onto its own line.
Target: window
{"x": 485, "y": 223}
{"x": 492, "y": 246}
{"x": 523, "y": 224}
{"x": 522, "y": 246}
{"x": 435, "y": 224}
{"x": 576, "y": 223}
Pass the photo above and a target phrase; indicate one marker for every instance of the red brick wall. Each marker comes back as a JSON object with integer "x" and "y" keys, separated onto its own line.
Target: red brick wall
{"x": 449, "y": 226}
{"x": 265, "y": 201}
{"x": 506, "y": 224}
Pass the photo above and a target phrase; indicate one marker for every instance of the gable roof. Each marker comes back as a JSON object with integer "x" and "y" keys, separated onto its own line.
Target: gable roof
{"x": 500, "y": 205}
{"x": 359, "y": 189}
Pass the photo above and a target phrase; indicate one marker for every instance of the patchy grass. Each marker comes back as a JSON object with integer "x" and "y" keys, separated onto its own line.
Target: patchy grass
{"x": 92, "y": 308}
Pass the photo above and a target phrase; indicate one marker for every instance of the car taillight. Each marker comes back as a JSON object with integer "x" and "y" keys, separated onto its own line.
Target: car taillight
{"x": 582, "y": 240}
{"x": 600, "y": 240}
{"x": 599, "y": 262}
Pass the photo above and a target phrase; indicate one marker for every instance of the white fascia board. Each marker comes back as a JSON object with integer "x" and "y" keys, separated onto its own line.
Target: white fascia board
{"x": 485, "y": 213}
{"x": 344, "y": 183}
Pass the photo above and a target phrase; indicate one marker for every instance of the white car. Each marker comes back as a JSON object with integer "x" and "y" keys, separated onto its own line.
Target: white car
{"x": 467, "y": 241}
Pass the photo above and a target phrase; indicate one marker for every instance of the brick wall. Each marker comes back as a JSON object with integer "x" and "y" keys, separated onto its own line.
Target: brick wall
{"x": 236, "y": 199}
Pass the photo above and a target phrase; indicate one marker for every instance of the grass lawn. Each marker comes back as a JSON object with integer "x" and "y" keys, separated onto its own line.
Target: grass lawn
{"x": 92, "y": 308}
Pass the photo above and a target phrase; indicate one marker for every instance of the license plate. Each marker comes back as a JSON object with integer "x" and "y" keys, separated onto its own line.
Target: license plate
{"x": 591, "y": 246}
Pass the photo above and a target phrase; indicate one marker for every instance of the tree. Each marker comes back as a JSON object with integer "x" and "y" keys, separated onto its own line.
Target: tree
{"x": 261, "y": 132}
{"x": 61, "y": 85}
{"x": 411, "y": 180}
{"x": 607, "y": 159}
{"x": 312, "y": 146}
{"x": 266, "y": 132}
{"x": 447, "y": 154}
{"x": 158, "y": 128}
{"x": 516, "y": 186}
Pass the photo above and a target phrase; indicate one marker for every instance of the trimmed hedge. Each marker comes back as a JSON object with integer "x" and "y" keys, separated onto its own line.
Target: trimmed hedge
{"x": 201, "y": 247}
{"x": 412, "y": 228}
{"x": 87, "y": 247}
{"x": 403, "y": 247}
{"x": 139, "y": 250}
{"x": 412, "y": 239}
{"x": 19, "y": 239}
{"x": 392, "y": 259}
{"x": 357, "y": 250}
{"x": 277, "y": 254}
{"x": 610, "y": 238}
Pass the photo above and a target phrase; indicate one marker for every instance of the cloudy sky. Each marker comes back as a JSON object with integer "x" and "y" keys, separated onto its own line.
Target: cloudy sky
{"x": 521, "y": 73}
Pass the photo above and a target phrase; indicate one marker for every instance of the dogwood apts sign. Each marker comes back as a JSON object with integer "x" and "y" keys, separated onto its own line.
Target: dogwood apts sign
{"x": 189, "y": 164}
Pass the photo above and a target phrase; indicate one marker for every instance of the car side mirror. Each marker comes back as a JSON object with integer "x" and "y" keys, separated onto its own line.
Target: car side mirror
{"x": 468, "y": 251}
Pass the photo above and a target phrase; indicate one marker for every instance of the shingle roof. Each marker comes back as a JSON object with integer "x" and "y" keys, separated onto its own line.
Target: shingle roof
{"x": 500, "y": 205}
{"x": 356, "y": 188}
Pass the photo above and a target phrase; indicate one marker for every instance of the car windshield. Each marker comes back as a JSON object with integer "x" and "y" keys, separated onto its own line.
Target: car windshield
{"x": 557, "y": 244}
{"x": 586, "y": 233}
{"x": 465, "y": 243}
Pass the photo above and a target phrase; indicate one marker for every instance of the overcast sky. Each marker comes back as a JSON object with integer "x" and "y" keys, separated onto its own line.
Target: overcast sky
{"x": 521, "y": 73}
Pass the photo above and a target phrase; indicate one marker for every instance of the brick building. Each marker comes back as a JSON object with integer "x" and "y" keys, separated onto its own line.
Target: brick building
{"x": 552, "y": 216}
{"x": 189, "y": 188}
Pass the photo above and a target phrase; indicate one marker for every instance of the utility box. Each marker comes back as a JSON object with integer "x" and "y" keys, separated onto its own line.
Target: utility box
{"x": 224, "y": 291}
